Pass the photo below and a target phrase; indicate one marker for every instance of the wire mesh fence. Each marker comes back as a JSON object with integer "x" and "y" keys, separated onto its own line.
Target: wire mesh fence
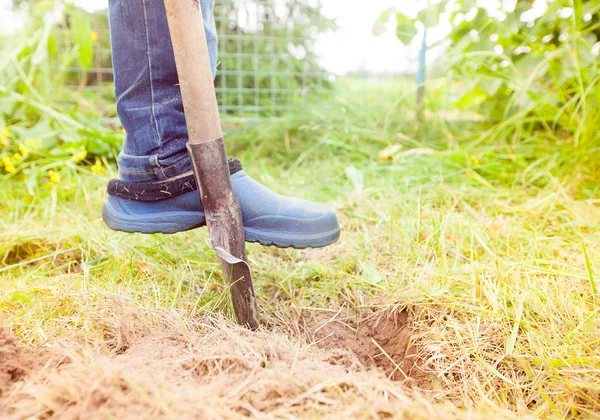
{"x": 265, "y": 53}
{"x": 266, "y": 56}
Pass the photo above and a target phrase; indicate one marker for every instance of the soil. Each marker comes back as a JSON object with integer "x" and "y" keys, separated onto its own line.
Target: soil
{"x": 217, "y": 371}
{"x": 12, "y": 365}
{"x": 381, "y": 340}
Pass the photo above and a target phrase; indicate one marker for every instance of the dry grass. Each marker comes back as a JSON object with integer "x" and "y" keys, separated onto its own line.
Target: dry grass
{"x": 488, "y": 258}
{"x": 211, "y": 370}
{"x": 503, "y": 317}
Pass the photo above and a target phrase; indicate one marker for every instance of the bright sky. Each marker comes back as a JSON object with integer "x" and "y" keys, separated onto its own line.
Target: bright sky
{"x": 354, "y": 47}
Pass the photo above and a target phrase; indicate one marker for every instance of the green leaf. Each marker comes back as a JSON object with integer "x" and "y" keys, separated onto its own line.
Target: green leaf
{"x": 370, "y": 273}
{"x": 510, "y": 344}
{"x": 52, "y": 46}
{"x": 380, "y": 25}
{"x": 81, "y": 34}
{"x": 21, "y": 297}
{"x": 466, "y": 5}
{"x": 491, "y": 85}
{"x": 430, "y": 17}
{"x": 405, "y": 29}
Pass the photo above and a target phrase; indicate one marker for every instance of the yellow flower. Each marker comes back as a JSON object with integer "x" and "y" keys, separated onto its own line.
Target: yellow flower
{"x": 32, "y": 144}
{"x": 78, "y": 154}
{"x": 54, "y": 176}
{"x": 18, "y": 156}
{"x": 8, "y": 165}
{"x": 4, "y": 135}
{"x": 94, "y": 36}
{"x": 98, "y": 168}
{"x": 23, "y": 149}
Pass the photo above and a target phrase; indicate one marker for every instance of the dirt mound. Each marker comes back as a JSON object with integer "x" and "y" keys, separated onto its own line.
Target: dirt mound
{"x": 380, "y": 340}
{"x": 12, "y": 366}
{"x": 218, "y": 371}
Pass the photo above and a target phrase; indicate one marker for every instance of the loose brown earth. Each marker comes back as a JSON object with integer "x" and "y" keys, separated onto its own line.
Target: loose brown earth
{"x": 333, "y": 369}
{"x": 381, "y": 340}
{"x": 12, "y": 366}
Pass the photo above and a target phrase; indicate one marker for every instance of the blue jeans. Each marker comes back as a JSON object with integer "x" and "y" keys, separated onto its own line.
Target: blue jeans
{"x": 146, "y": 86}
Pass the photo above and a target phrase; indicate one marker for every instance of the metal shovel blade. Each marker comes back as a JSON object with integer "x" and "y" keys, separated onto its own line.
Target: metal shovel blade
{"x": 238, "y": 274}
{"x": 224, "y": 221}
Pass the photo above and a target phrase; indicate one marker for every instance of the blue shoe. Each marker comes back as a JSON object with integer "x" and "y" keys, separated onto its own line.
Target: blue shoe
{"x": 269, "y": 218}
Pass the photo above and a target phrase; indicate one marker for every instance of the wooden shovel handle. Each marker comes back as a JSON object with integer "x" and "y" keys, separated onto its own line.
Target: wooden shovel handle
{"x": 186, "y": 25}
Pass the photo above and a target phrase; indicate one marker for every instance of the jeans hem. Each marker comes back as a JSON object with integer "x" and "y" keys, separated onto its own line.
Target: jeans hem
{"x": 150, "y": 169}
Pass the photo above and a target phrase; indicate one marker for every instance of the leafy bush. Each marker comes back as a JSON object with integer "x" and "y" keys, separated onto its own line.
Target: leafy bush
{"x": 45, "y": 127}
{"x": 532, "y": 70}
{"x": 49, "y": 122}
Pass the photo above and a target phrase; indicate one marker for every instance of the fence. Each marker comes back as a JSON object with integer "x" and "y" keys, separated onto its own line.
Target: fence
{"x": 266, "y": 58}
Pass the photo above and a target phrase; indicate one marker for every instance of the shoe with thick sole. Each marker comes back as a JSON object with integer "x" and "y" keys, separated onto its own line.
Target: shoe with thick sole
{"x": 269, "y": 218}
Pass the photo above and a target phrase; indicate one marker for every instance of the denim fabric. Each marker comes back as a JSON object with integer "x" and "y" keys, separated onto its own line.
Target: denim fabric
{"x": 146, "y": 86}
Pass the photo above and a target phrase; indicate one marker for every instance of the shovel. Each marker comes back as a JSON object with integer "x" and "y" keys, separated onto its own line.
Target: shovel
{"x": 207, "y": 152}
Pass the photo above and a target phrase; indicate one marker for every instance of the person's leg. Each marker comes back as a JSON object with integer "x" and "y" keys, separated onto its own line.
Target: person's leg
{"x": 147, "y": 91}
{"x": 154, "y": 192}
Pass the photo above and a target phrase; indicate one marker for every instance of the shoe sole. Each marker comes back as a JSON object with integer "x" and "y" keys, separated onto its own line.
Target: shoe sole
{"x": 166, "y": 222}
{"x": 173, "y": 222}
{"x": 280, "y": 240}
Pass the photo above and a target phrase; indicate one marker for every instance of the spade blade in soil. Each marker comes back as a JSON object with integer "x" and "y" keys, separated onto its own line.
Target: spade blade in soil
{"x": 237, "y": 273}
{"x": 224, "y": 220}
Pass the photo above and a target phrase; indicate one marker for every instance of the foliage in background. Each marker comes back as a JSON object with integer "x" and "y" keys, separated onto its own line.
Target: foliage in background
{"x": 537, "y": 74}
{"x": 56, "y": 101}
{"x": 406, "y": 31}
{"x": 45, "y": 127}
{"x": 530, "y": 69}
{"x": 534, "y": 75}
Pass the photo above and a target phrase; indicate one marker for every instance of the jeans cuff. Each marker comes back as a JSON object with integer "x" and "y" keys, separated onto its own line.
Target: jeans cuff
{"x": 150, "y": 169}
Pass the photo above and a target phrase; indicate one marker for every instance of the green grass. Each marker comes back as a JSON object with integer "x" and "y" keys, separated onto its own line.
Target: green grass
{"x": 494, "y": 252}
